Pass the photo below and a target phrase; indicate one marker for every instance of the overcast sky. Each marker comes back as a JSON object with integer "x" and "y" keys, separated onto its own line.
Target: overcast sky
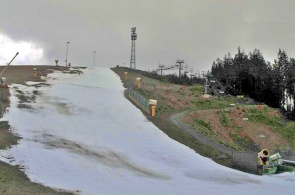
{"x": 197, "y": 31}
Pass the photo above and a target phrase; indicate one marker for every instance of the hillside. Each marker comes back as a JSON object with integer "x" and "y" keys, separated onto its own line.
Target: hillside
{"x": 244, "y": 127}
{"x": 79, "y": 133}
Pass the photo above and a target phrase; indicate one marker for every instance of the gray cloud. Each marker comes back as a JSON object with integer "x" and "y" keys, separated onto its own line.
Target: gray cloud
{"x": 198, "y": 31}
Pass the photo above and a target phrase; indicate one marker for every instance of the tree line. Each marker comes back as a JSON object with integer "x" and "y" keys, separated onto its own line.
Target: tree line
{"x": 251, "y": 75}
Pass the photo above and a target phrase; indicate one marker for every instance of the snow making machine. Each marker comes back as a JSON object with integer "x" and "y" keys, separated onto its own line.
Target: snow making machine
{"x": 3, "y": 83}
{"x": 272, "y": 164}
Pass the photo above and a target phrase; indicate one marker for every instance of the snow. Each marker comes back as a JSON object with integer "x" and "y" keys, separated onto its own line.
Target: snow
{"x": 82, "y": 134}
{"x": 33, "y": 83}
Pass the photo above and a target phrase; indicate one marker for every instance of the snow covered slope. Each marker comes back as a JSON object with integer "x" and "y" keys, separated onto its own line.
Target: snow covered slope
{"x": 82, "y": 134}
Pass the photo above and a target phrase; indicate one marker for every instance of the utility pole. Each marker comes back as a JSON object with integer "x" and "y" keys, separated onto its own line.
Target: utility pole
{"x": 67, "y": 54}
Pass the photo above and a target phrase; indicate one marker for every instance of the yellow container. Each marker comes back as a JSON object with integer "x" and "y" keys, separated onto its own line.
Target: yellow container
{"x": 153, "y": 102}
{"x": 153, "y": 110}
{"x": 35, "y": 72}
{"x": 138, "y": 82}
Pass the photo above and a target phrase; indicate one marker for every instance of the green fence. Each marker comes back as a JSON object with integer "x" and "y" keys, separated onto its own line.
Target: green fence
{"x": 141, "y": 101}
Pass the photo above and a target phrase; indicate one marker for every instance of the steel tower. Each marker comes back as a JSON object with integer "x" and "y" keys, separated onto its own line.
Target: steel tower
{"x": 133, "y": 57}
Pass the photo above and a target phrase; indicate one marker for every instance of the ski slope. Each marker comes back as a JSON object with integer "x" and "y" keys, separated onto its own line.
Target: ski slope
{"x": 83, "y": 135}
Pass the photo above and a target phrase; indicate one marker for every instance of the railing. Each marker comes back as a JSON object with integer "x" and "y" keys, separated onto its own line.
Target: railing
{"x": 246, "y": 161}
{"x": 216, "y": 91}
{"x": 140, "y": 100}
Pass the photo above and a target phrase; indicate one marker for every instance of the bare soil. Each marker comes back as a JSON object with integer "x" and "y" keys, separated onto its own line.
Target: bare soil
{"x": 259, "y": 134}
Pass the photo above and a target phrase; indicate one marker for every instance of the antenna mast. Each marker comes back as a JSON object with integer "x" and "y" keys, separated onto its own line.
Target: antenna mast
{"x": 133, "y": 57}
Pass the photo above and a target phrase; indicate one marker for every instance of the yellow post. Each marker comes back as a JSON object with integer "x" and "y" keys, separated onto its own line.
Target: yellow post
{"x": 126, "y": 75}
{"x": 154, "y": 110}
{"x": 153, "y": 104}
{"x": 138, "y": 82}
{"x": 35, "y": 72}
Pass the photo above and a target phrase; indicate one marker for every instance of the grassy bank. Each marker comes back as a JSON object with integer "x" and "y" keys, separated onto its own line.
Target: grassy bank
{"x": 214, "y": 118}
{"x": 171, "y": 99}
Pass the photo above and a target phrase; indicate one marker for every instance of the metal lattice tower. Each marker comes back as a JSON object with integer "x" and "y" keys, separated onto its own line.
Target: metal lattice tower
{"x": 161, "y": 68}
{"x": 133, "y": 57}
{"x": 180, "y": 62}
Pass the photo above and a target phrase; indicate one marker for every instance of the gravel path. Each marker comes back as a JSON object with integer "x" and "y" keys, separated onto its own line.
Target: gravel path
{"x": 176, "y": 119}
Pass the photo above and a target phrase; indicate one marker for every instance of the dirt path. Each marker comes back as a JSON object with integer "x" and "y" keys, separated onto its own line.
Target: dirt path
{"x": 176, "y": 119}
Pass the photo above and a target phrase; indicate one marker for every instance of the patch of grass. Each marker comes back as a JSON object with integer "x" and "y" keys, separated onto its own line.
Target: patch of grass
{"x": 274, "y": 122}
{"x": 236, "y": 128}
{"x": 19, "y": 91}
{"x": 14, "y": 181}
{"x": 203, "y": 123}
{"x": 242, "y": 142}
{"x": 260, "y": 116}
{"x": 24, "y": 106}
{"x": 22, "y": 98}
{"x": 180, "y": 92}
{"x": 197, "y": 90}
{"x": 287, "y": 132}
{"x": 205, "y": 128}
{"x": 225, "y": 120}
{"x": 7, "y": 138}
{"x": 211, "y": 104}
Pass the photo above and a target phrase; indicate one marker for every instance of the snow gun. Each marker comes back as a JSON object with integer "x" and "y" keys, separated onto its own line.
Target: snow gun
{"x": 273, "y": 164}
{"x": 4, "y": 84}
